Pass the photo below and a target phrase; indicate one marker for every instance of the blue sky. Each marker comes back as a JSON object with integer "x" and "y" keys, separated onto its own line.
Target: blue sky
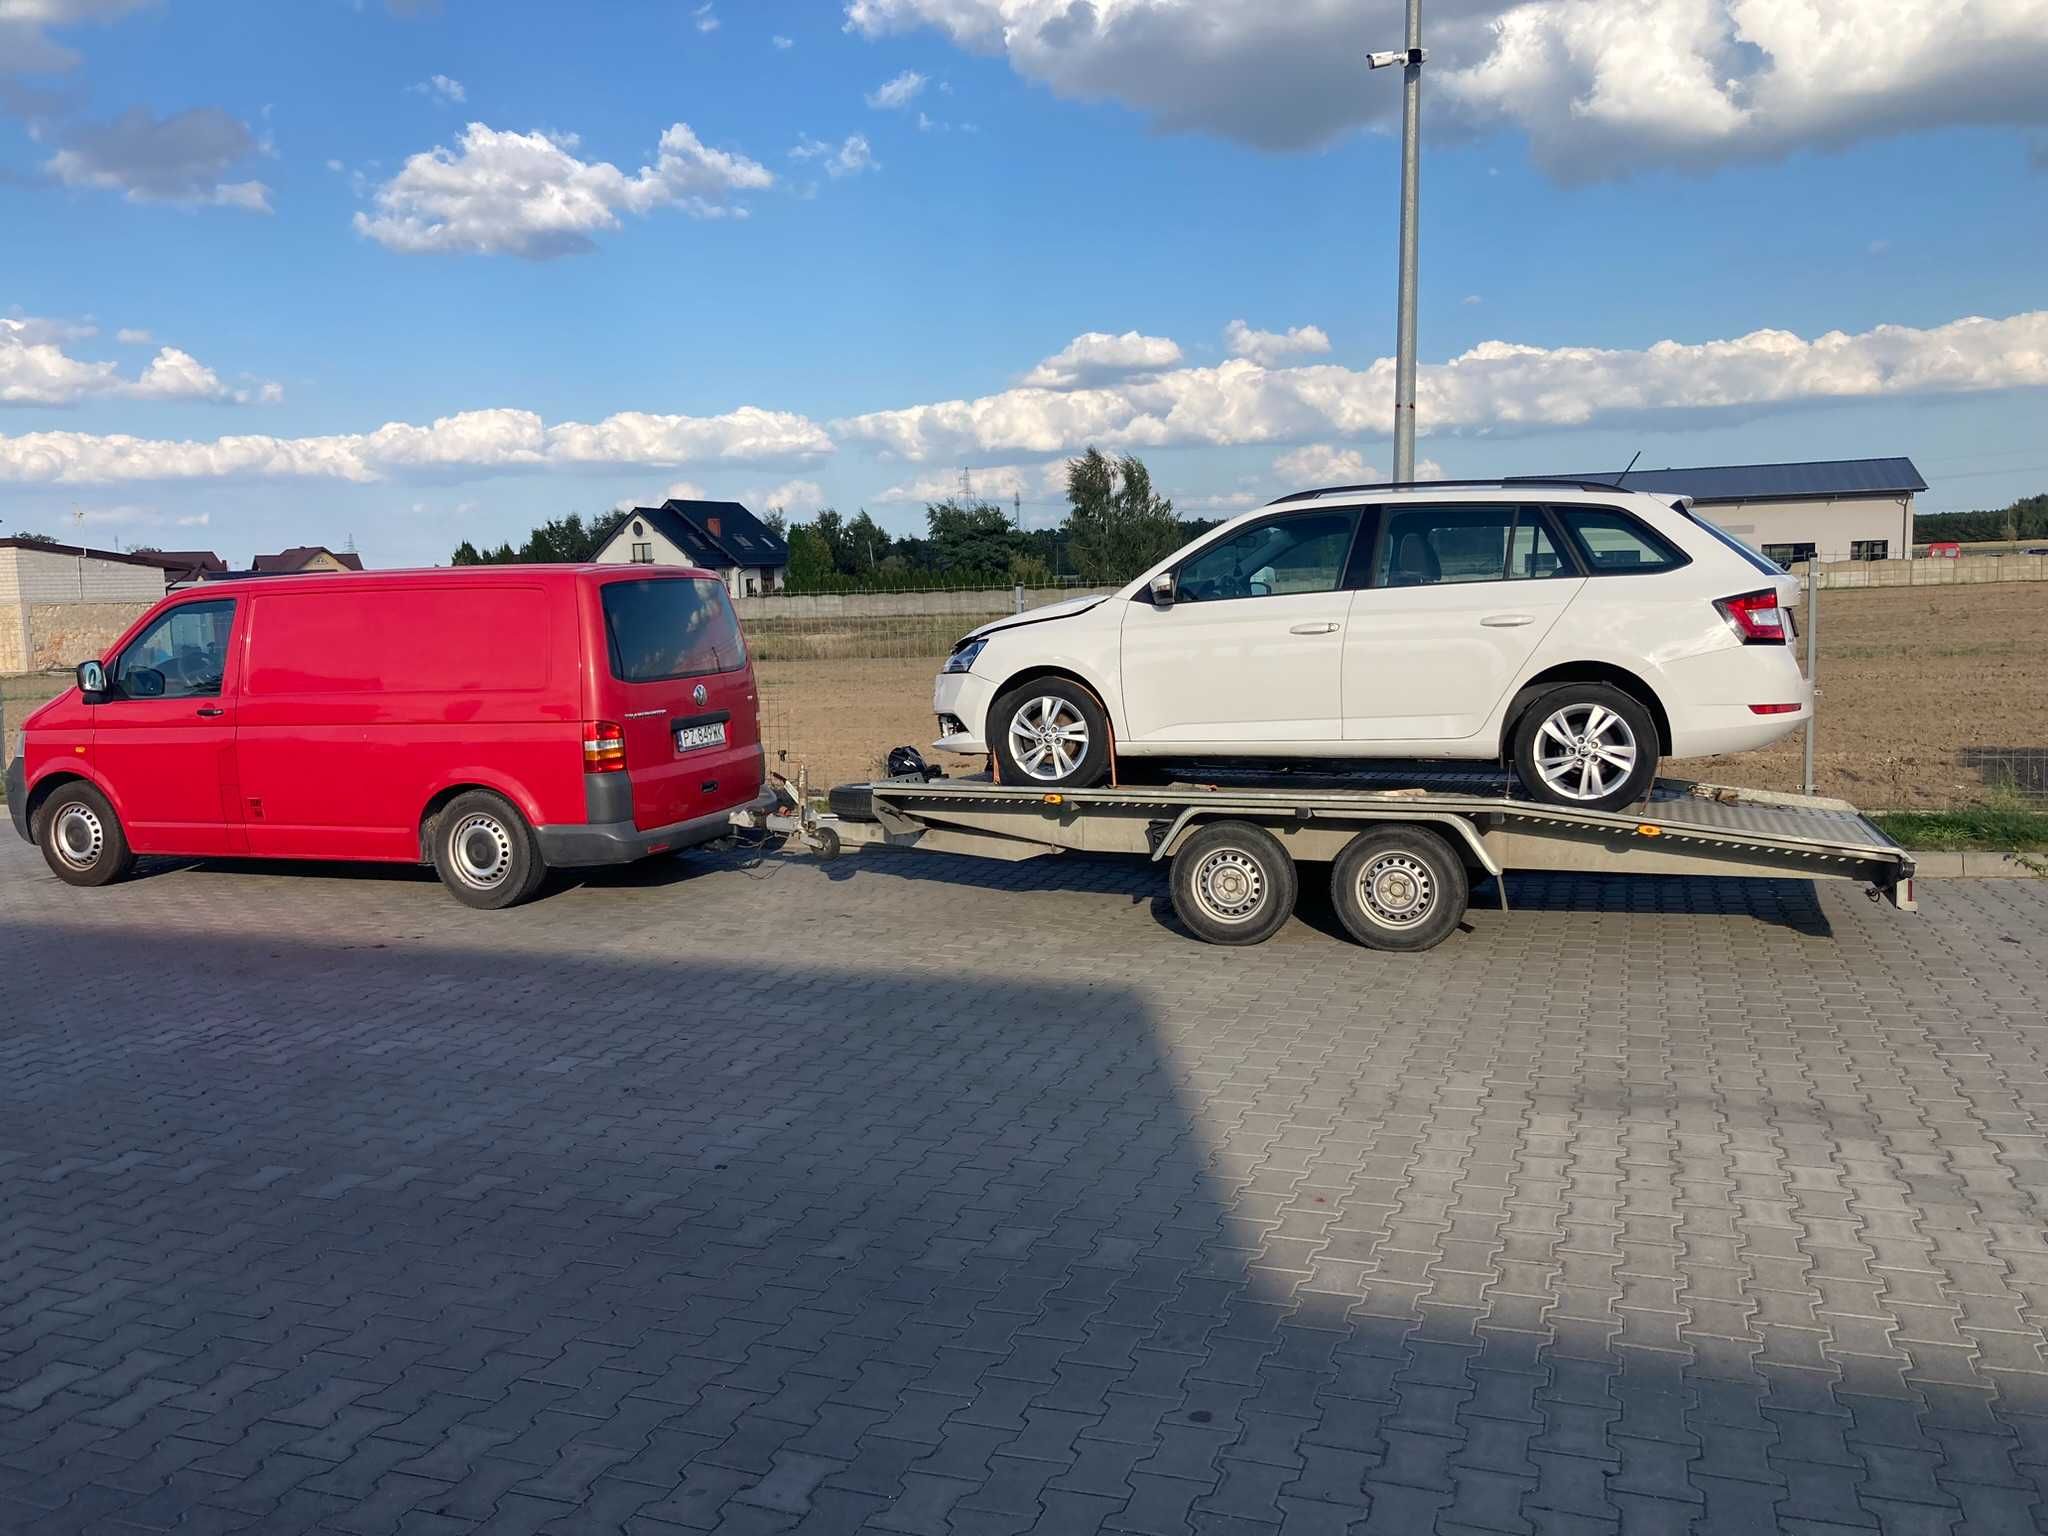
{"x": 641, "y": 252}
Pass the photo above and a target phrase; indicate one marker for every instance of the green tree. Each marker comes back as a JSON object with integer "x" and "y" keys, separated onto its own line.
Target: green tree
{"x": 867, "y": 546}
{"x": 810, "y": 562}
{"x": 1117, "y": 526}
{"x": 970, "y": 541}
{"x": 466, "y": 553}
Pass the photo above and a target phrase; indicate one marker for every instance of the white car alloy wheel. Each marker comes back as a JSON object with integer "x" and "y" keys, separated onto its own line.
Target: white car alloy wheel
{"x": 480, "y": 850}
{"x": 1585, "y": 751}
{"x": 1048, "y": 738}
{"x": 1396, "y": 889}
{"x": 77, "y": 837}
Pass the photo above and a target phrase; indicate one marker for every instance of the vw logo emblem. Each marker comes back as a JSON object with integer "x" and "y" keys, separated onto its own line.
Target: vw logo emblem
{"x": 700, "y": 694}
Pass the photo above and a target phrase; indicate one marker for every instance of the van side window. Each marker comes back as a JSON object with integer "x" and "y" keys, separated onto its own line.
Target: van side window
{"x": 1612, "y": 542}
{"x": 183, "y": 655}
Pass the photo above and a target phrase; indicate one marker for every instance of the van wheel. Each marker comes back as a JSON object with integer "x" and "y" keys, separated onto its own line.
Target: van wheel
{"x": 81, "y": 837}
{"x": 1587, "y": 745}
{"x": 1050, "y": 734}
{"x": 485, "y": 853}
{"x": 1233, "y": 883}
{"x": 1399, "y": 888}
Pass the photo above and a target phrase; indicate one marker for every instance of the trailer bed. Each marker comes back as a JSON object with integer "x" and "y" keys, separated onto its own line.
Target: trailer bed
{"x": 1681, "y": 828}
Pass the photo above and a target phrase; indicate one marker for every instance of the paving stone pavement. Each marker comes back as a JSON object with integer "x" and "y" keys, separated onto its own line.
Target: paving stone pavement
{"x": 912, "y": 1195}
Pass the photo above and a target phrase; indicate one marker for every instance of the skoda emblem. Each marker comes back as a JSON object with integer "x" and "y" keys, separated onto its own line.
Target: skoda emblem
{"x": 699, "y": 694}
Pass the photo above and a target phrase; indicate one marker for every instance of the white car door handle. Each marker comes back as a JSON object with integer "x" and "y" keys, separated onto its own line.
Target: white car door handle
{"x": 1508, "y": 620}
{"x": 1325, "y": 628}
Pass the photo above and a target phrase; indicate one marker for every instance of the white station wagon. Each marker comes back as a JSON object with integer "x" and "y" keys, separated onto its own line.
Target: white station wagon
{"x": 1578, "y": 631}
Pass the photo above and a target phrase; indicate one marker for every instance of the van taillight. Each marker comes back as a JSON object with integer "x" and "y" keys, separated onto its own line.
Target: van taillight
{"x": 1755, "y": 617}
{"x": 604, "y": 748}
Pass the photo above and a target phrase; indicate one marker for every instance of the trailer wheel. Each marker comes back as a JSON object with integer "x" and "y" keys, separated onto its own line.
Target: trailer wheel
{"x": 1233, "y": 883}
{"x": 1400, "y": 888}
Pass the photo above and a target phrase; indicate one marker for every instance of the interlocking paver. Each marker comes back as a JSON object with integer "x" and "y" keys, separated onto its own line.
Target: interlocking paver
{"x": 922, "y": 1196}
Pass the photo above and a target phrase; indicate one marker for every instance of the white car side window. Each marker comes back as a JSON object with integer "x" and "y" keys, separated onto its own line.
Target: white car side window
{"x": 1283, "y": 558}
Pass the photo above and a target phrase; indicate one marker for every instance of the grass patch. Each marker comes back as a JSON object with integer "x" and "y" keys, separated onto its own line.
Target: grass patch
{"x": 1992, "y": 827}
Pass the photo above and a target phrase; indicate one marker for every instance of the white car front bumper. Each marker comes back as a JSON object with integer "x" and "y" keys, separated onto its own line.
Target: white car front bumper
{"x": 961, "y": 701}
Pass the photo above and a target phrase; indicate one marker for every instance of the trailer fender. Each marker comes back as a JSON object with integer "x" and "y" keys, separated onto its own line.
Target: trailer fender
{"x": 1460, "y": 828}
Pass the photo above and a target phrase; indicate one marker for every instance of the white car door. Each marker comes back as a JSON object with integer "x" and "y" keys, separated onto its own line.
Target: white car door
{"x": 1460, "y": 596}
{"x": 1252, "y": 648}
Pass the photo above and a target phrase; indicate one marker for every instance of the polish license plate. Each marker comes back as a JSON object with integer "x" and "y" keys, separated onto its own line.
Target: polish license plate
{"x": 695, "y": 738}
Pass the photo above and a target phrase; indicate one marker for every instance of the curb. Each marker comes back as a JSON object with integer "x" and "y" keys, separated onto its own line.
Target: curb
{"x": 1979, "y": 864}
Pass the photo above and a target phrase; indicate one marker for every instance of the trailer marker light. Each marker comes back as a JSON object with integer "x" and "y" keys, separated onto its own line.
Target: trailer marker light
{"x": 1054, "y": 800}
{"x": 1774, "y": 709}
{"x": 1646, "y": 830}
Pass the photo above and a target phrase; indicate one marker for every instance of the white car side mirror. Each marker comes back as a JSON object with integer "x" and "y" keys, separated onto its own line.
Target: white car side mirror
{"x": 1163, "y": 591}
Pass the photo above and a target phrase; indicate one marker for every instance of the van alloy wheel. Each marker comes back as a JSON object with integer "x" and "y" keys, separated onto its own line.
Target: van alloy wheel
{"x": 481, "y": 847}
{"x": 1584, "y": 751}
{"x": 1048, "y": 738}
{"x": 78, "y": 836}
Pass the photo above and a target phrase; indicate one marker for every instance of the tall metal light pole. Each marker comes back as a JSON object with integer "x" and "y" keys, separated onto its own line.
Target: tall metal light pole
{"x": 1411, "y": 59}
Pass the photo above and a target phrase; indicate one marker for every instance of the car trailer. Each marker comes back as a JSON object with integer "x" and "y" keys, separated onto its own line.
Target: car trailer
{"x": 1403, "y": 858}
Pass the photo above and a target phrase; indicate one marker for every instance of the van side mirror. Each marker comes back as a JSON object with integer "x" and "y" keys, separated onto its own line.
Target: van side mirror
{"x": 92, "y": 679}
{"x": 1163, "y": 590}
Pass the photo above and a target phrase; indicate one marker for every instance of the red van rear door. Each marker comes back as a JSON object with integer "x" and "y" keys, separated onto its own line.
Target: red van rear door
{"x": 679, "y": 675}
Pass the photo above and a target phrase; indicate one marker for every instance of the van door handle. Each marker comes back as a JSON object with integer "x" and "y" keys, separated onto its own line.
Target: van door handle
{"x": 1508, "y": 620}
{"x": 208, "y": 712}
{"x": 1326, "y": 628}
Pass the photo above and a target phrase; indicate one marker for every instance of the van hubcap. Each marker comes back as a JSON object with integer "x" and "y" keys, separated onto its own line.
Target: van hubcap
{"x": 1229, "y": 886}
{"x": 78, "y": 836}
{"x": 1584, "y": 751}
{"x": 481, "y": 852}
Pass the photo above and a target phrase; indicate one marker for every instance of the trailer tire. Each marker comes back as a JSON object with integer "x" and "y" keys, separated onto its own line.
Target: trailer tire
{"x": 1399, "y": 888}
{"x": 1233, "y": 883}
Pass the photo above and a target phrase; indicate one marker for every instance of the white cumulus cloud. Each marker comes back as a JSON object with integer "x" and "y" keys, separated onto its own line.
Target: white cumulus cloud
{"x": 183, "y": 159}
{"x": 441, "y": 88}
{"x": 797, "y": 498}
{"x": 527, "y": 194}
{"x": 467, "y": 444}
{"x": 895, "y": 94}
{"x": 1271, "y": 347}
{"x": 849, "y": 157}
{"x": 35, "y": 370}
{"x": 1097, "y": 356}
{"x": 1599, "y": 86}
{"x": 26, "y": 47}
{"x": 1496, "y": 386}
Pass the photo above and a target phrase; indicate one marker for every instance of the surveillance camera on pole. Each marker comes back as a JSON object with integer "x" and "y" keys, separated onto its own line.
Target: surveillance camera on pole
{"x": 1411, "y": 60}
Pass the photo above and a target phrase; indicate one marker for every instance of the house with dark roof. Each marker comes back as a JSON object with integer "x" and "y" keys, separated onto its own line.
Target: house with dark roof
{"x": 720, "y": 536}
{"x": 1825, "y": 509}
{"x": 305, "y": 560}
{"x": 182, "y": 566}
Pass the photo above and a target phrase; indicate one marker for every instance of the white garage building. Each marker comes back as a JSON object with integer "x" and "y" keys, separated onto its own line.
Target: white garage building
{"x": 1829, "y": 509}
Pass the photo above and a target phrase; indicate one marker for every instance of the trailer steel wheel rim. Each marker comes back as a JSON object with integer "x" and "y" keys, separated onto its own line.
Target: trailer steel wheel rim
{"x": 1585, "y": 751}
{"x": 1396, "y": 890}
{"x": 78, "y": 836}
{"x": 1048, "y": 737}
{"x": 480, "y": 850}
{"x": 1229, "y": 886}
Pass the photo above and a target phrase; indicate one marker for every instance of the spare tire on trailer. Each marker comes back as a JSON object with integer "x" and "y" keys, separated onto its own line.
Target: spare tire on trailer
{"x": 852, "y": 802}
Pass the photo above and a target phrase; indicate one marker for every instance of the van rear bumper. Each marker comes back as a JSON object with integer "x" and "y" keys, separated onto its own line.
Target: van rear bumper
{"x": 17, "y": 798}
{"x": 620, "y": 842}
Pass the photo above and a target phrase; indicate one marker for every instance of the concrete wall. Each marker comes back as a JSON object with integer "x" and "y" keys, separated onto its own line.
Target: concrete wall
{"x": 36, "y": 576}
{"x": 19, "y": 697}
{"x": 1831, "y": 527}
{"x": 891, "y": 605}
{"x": 1970, "y": 570}
{"x": 56, "y": 610}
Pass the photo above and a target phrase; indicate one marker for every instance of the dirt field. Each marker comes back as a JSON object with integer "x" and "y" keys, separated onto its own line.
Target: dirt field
{"x": 1915, "y": 683}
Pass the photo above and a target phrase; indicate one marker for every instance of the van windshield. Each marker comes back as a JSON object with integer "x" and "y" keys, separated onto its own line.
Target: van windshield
{"x": 674, "y": 627}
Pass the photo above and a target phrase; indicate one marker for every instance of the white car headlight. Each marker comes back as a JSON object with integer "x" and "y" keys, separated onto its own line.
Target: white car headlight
{"x": 963, "y": 657}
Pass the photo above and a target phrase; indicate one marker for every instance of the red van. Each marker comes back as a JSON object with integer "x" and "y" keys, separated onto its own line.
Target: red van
{"x": 494, "y": 723}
